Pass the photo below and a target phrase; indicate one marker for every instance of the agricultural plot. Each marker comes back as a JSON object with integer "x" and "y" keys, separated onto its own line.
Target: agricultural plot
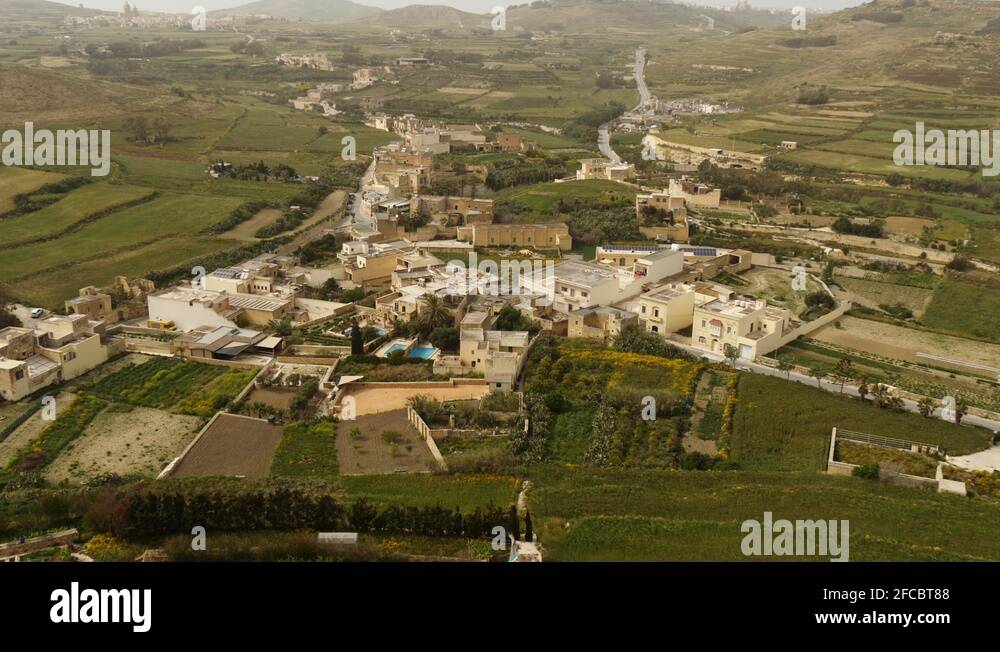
{"x": 165, "y": 216}
{"x": 965, "y": 308}
{"x": 783, "y": 426}
{"x": 160, "y": 383}
{"x": 307, "y": 450}
{"x": 382, "y": 443}
{"x": 875, "y": 294}
{"x": 47, "y": 445}
{"x": 631, "y": 515}
{"x": 19, "y": 181}
{"x": 466, "y": 492}
{"x": 124, "y": 440}
{"x": 80, "y": 205}
{"x": 233, "y": 445}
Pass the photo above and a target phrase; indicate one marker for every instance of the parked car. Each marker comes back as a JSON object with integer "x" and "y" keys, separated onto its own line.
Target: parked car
{"x": 37, "y": 313}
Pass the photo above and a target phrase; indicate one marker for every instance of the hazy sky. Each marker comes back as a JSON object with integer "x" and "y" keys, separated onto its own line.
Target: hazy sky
{"x": 476, "y": 6}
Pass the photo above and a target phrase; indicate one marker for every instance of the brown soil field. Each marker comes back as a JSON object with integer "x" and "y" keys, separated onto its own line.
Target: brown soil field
{"x": 371, "y": 399}
{"x": 369, "y": 453}
{"x": 246, "y": 230}
{"x": 904, "y": 343}
{"x": 907, "y": 225}
{"x": 141, "y": 442}
{"x": 233, "y": 445}
{"x": 276, "y": 398}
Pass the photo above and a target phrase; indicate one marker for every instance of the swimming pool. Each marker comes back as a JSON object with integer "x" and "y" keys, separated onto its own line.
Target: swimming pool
{"x": 422, "y": 352}
{"x": 398, "y": 346}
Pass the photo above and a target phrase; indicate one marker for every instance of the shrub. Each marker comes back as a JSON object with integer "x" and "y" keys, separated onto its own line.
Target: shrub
{"x": 866, "y": 471}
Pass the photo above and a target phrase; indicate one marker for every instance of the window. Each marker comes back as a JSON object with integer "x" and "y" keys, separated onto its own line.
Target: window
{"x": 701, "y": 340}
{"x": 644, "y": 309}
{"x": 703, "y": 323}
{"x": 656, "y": 312}
{"x": 19, "y": 374}
{"x": 655, "y": 329}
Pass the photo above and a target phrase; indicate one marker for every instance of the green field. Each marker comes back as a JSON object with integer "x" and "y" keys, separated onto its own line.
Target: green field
{"x": 635, "y": 515}
{"x": 20, "y": 181}
{"x": 783, "y": 426}
{"x": 464, "y": 491}
{"x": 307, "y": 450}
{"x": 964, "y": 308}
{"x": 158, "y": 383}
{"x": 79, "y": 205}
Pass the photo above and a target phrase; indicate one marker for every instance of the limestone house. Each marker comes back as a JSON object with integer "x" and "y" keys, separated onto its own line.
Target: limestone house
{"x": 60, "y": 348}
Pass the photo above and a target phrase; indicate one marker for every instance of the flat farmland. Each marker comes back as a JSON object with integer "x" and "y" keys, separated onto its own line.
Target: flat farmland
{"x": 77, "y": 205}
{"x": 52, "y": 287}
{"x": 19, "y": 181}
{"x": 139, "y": 441}
{"x": 232, "y": 445}
{"x": 902, "y": 343}
{"x": 875, "y": 294}
{"x": 965, "y": 308}
{"x": 165, "y": 216}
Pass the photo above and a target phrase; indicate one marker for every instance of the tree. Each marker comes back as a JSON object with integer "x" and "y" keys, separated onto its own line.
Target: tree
{"x": 445, "y": 338}
{"x": 844, "y": 372}
{"x": 863, "y": 387}
{"x": 357, "y": 340}
{"x": 139, "y": 128}
{"x": 732, "y": 354}
{"x": 926, "y": 406}
{"x": 433, "y": 314}
{"x": 819, "y": 373}
{"x": 785, "y": 364}
{"x": 514, "y": 524}
{"x": 529, "y": 533}
{"x": 330, "y": 289}
{"x": 961, "y": 409}
{"x": 280, "y": 327}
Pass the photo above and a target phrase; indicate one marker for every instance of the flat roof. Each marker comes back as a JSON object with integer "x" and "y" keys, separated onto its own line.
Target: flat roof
{"x": 581, "y": 273}
{"x": 256, "y": 302}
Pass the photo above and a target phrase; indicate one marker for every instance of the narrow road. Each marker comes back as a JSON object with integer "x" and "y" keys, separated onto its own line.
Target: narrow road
{"x": 358, "y": 215}
{"x": 603, "y": 135}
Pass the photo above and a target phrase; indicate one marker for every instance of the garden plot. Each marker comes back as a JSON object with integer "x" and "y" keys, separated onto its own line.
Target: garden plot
{"x": 30, "y": 429}
{"x": 139, "y": 441}
{"x": 382, "y": 443}
{"x": 232, "y": 445}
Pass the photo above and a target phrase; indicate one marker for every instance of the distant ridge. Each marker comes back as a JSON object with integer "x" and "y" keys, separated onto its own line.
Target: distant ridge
{"x": 311, "y": 10}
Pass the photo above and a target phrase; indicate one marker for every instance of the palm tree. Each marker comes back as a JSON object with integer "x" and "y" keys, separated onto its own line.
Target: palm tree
{"x": 926, "y": 406}
{"x": 432, "y": 315}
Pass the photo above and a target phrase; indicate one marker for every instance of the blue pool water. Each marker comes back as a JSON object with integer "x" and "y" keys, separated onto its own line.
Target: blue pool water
{"x": 398, "y": 346}
{"x": 422, "y": 352}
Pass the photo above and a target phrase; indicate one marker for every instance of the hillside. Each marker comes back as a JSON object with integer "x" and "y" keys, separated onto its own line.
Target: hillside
{"x": 591, "y": 15}
{"x": 44, "y": 95}
{"x": 311, "y": 10}
{"x": 429, "y": 15}
{"x": 42, "y": 9}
